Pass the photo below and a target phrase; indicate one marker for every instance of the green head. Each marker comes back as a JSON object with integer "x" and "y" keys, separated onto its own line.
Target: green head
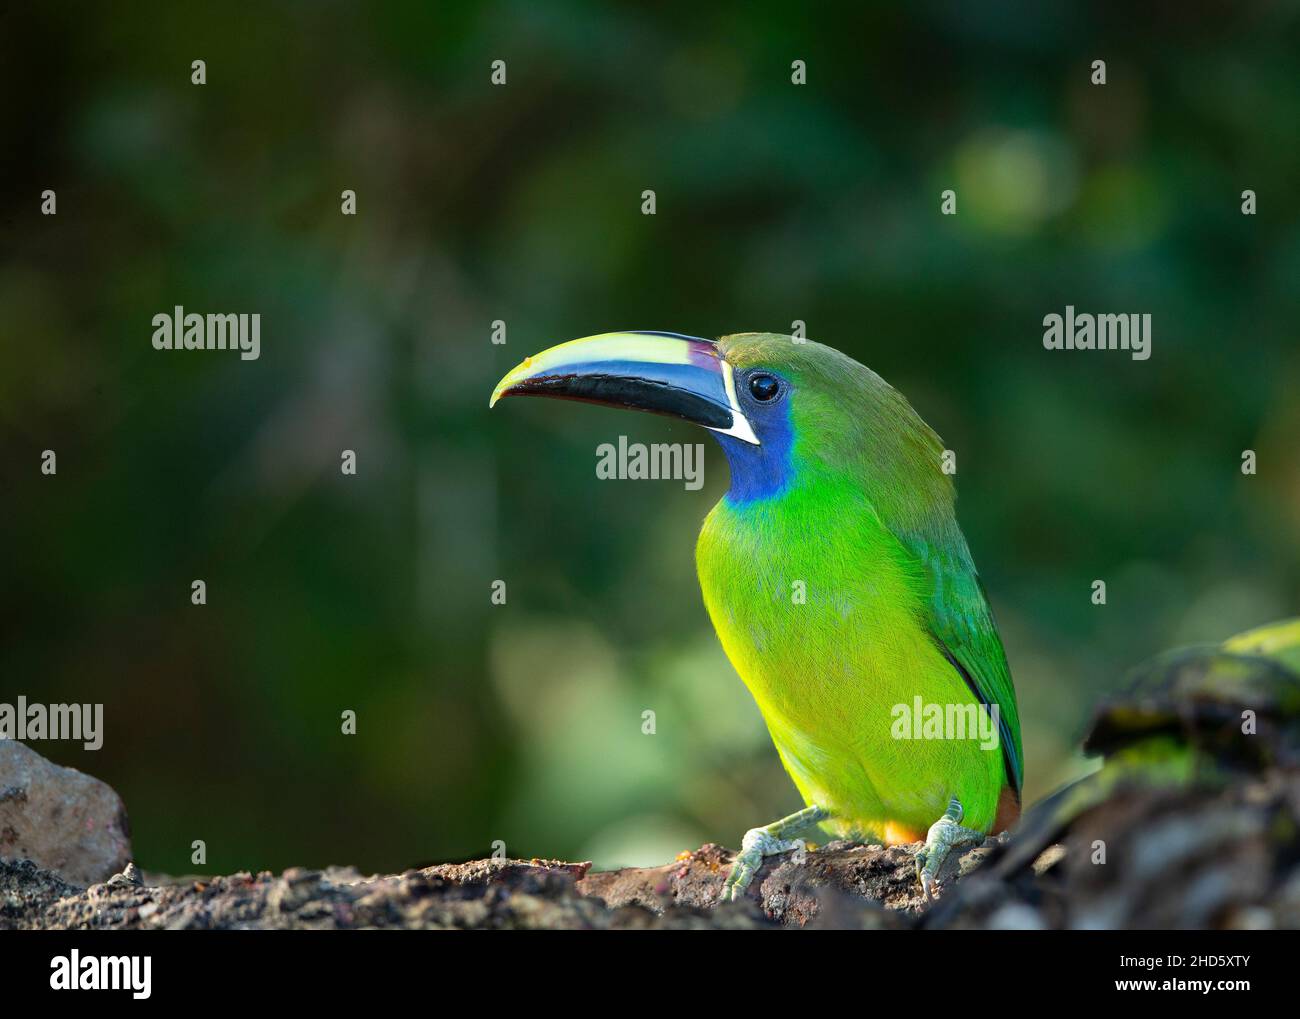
{"x": 787, "y": 412}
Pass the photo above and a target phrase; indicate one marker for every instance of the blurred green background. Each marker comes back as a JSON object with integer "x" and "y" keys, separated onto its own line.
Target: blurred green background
{"x": 776, "y": 203}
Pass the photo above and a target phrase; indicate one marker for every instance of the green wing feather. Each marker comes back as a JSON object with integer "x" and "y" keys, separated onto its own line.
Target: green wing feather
{"x": 961, "y": 622}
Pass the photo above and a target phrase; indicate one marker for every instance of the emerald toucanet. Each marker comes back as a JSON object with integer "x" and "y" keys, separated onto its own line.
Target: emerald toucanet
{"x": 837, "y": 491}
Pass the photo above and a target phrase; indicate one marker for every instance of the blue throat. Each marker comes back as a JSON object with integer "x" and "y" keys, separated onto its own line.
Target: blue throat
{"x": 763, "y": 471}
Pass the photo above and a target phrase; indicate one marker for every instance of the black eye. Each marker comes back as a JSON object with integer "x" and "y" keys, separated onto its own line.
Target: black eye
{"x": 764, "y": 387}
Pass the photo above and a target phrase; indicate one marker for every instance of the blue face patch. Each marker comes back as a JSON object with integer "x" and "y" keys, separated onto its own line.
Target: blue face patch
{"x": 763, "y": 471}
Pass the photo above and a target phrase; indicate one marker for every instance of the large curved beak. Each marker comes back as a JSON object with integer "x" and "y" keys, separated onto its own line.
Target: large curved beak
{"x": 663, "y": 373}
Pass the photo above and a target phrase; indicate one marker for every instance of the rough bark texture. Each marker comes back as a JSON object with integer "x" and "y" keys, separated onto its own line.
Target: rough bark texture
{"x": 1137, "y": 856}
{"x": 841, "y": 885}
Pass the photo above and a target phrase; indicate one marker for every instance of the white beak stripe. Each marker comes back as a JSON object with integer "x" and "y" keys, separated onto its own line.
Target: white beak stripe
{"x": 740, "y": 426}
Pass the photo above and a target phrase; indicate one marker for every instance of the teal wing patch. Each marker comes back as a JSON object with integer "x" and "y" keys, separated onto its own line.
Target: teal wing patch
{"x": 962, "y": 625}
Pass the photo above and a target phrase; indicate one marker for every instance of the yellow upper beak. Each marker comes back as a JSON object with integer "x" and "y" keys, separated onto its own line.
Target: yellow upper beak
{"x": 662, "y": 373}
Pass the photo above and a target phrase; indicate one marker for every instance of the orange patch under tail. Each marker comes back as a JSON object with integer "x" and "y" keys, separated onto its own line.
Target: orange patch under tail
{"x": 900, "y": 835}
{"x": 1008, "y": 810}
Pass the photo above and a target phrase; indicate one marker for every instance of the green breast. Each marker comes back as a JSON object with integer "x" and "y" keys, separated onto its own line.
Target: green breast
{"x": 823, "y": 614}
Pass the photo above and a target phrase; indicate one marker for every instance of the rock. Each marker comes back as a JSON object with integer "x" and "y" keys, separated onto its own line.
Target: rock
{"x": 63, "y": 820}
{"x": 27, "y": 891}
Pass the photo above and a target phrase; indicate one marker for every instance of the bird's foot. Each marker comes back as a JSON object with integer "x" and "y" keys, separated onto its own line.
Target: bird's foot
{"x": 944, "y": 836}
{"x": 767, "y": 841}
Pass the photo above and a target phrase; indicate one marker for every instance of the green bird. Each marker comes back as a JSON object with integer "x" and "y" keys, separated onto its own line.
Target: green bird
{"x": 837, "y": 580}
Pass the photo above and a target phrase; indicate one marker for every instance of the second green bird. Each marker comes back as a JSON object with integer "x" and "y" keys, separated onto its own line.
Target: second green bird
{"x": 838, "y": 582}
